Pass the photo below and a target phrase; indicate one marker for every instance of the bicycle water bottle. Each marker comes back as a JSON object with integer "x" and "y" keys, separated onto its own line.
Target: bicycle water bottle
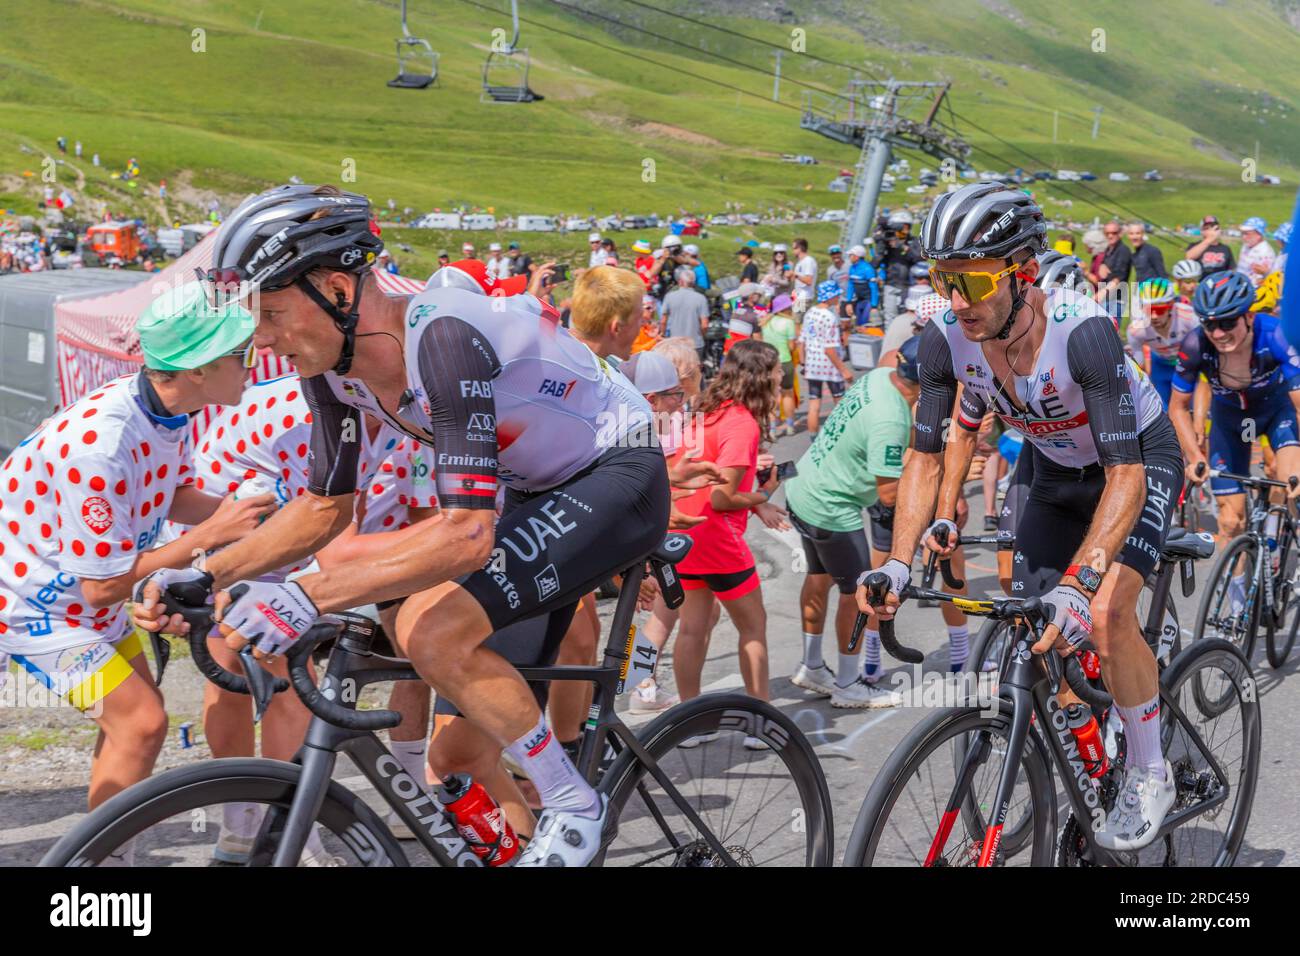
{"x": 1088, "y": 736}
{"x": 1270, "y": 535}
{"x": 479, "y": 820}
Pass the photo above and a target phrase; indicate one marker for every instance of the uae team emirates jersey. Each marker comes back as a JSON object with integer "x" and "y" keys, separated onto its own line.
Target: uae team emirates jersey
{"x": 79, "y": 499}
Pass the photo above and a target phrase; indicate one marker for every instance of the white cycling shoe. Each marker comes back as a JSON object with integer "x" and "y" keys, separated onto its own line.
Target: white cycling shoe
{"x": 1139, "y": 809}
{"x": 819, "y": 680}
{"x": 565, "y": 838}
{"x": 861, "y": 695}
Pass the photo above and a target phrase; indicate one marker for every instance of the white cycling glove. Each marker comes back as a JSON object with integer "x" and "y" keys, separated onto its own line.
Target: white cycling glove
{"x": 899, "y": 574}
{"x": 1070, "y": 610}
{"x": 270, "y": 616}
{"x": 199, "y": 581}
{"x": 953, "y": 531}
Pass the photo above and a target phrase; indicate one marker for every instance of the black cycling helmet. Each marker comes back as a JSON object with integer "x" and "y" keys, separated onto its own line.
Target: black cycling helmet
{"x": 1057, "y": 269}
{"x": 909, "y": 366}
{"x": 275, "y": 238}
{"x": 1223, "y": 295}
{"x": 983, "y": 221}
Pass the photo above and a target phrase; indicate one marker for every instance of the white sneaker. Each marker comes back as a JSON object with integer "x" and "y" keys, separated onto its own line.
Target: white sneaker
{"x": 649, "y": 698}
{"x": 819, "y": 680}
{"x": 397, "y": 826}
{"x": 860, "y": 695}
{"x": 1139, "y": 809}
{"x": 691, "y": 742}
{"x": 564, "y": 838}
{"x": 240, "y": 823}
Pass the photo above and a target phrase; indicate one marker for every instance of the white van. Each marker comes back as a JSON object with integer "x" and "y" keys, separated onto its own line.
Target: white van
{"x": 578, "y": 224}
{"x": 438, "y": 220}
{"x": 1067, "y": 175}
{"x": 479, "y": 221}
{"x": 535, "y": 223}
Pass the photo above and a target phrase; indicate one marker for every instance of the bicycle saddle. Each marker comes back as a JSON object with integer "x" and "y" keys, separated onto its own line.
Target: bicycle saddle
{"x": 1180, "y": 545}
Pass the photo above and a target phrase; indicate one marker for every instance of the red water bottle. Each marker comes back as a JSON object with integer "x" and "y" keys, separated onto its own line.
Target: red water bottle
{"x": 1092, "y": 750}
{"x": 1091, "y": 664}
{"x": 479, "y": 820}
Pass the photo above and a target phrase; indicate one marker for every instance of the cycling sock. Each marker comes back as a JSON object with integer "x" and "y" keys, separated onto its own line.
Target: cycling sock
{"x": 848, "y": 670}
{"x": 1142, "y": 733}
{"x": 241, "y": 819}
{"x": 812, "y": 651}
{"x": 557, "y": 780}
{"x": 413, "y": 755}
{"x": 871, "y": 657}
{"x": 1237, "y": 590}
{"x": 958, "y": 647}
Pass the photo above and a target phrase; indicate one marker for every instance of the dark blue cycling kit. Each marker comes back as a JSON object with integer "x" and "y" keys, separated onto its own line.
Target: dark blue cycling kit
{"x": 1244, "y": 411}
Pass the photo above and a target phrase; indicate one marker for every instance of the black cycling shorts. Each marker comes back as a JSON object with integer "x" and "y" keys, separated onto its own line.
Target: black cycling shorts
{"x": 817, "y": 388}
{"x": 1014, "y": 501}
{"x": 1062, "y": 503}
{"x": 552, "y": 547}
{"x": 727, "y": 586}
{"x": 843, "y": 555}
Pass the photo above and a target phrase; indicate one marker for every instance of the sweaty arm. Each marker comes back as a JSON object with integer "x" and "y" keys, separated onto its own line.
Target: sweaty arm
{"x": 309, "y": 522}
{"x": 1094, "y": 355}
{"x": 451, "y": 351}
{"x": 1185, "y": 386}
{"x": 960, "y": 452}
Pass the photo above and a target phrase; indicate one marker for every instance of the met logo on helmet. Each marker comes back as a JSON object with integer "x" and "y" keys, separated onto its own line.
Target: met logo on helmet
{"x": 266, "y": 250}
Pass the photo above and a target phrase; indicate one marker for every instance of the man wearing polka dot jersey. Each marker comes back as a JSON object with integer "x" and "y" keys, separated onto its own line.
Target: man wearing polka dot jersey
{"x": 82, "y": 502}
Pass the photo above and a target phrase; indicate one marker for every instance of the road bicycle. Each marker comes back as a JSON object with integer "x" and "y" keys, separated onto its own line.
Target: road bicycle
{"x": 754, "y": 794}
{"x": 950, "y": 796}
{"x": 1264, "y": 558}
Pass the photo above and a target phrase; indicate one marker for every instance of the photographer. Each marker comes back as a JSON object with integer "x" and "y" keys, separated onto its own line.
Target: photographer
{"x": 685, "y": 311}
{"x": 897, "y": 252}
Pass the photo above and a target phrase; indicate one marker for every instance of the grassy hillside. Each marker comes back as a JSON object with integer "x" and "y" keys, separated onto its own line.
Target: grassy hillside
{"x": 298, "y": 88}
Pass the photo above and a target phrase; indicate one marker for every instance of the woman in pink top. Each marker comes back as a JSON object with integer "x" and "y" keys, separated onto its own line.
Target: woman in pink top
{"x": 737, "y": 410}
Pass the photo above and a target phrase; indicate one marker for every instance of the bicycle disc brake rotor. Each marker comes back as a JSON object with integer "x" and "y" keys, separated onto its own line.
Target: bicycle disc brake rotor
{"x": 697, "y": 853}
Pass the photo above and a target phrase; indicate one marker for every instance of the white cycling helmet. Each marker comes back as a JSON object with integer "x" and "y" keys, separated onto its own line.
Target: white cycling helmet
{"x": 670, "y": 242}
{"x": 1187, "y": 269}
{"x": 902, "y": 218}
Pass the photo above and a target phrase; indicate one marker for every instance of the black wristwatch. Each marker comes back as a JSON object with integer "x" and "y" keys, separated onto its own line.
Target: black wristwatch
{"x": 1089, "y": 578}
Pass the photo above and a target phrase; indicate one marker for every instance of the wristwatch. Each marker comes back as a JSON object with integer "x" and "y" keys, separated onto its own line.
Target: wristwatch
{"x": 1089, "y": 578}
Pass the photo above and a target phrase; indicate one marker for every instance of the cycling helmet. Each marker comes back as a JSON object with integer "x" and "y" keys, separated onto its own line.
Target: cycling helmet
{"x": 983, "y": 221}
{"x": 909, "y": 366}
{"x": 900, "y": 218}
{"x": 276, "y": 237}
{"x": 1187, "y": 269}
{"x": 1057, "y": 269}
{"x": 1155, "y": 292}
{"x": 1269, "y": 293}
{"x": 1223, "y": 295}
{"x": 1282, "y": 233}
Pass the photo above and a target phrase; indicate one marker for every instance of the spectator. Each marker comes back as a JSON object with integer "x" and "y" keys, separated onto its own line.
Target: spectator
{"x": 63, "y": 145}
{"x": 779, "y": 330}
{"x": 611, "y": 252}
{"x": 805, "y": 277}
{"x": 94, "y": 160}
{"x": 1256, "y": 259}
{"x": 920, "y": 276}
{"x": 864, "y": 285}
{"x": 443, "y": 259}
{"x": 77, "y": 149}
{"x": 149, "y": 265}
{"x": 748, "y": 268}
{"x": 1213, "y": 255}
{"x": 669, "y": 257}
{"x": 897, "y": 252}
{"x": 598, "y": 254}
{"x": 520, "y": 264}
{"x": 644, "y": 263}
{"x": 702, "y": 280}
{"x": 737, "y": 406}
{"x": 686, "y": 360}
{"x": 685, "y": 311}
{"x": 1114, "y": 271}
{"x": 648, "y": 337}
{"x": 778, "y": 279}
{"x": 1064, "y": 244}
{"x": 162, "y": 189}
{"x": 467, "y": 251}
{"x": 386, "y": 263}
{"x": 498, "y": 266}
{"x": 1281, "y": 235}
{"x": 1148, "y": 263}
{"x": 919, "y": 313}
{"x": 837, "y": 271}
{"x": 820, "y": 344}
{"x": 605, "y": 312}
{"x": 745, "y": 316}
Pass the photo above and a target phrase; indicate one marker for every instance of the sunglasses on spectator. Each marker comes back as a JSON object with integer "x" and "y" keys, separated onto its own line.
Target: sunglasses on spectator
{"x": 247, "y": 353}
{"x": 1220, "y": 325}
{"x": 973, "y": 286}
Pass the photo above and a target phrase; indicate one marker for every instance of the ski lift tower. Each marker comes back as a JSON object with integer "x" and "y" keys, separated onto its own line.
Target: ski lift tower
{"x": 875, "y": 116}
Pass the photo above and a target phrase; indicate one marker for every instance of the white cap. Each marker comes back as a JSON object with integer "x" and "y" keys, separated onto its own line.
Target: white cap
{"x": 467, "y": 246}
{"x": 594, "y": 237}
{"x": 859, "y": 250}
{"x": 669, "y": 242}
{"x": 692, "y": 248}
{"x": 651, "y": 372}
{"x": 494, "y": 247}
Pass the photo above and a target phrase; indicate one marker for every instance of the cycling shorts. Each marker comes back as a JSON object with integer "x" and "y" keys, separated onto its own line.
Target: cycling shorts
{"x": 725, "y": 587}
{"x": 1232, "y": 432}
{"x": 1062, "y": 504}
{"x": 817, "y": 388}
{"x": 844, "y": 555}
{"x": 1013, "y": 503}
{"x": 553, "y": 547}
{"x": 87, "y": 673}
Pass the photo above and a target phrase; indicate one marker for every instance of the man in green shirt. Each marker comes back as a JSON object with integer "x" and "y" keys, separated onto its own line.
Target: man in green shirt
{"x": 780, "y": 330}
{"x": 854, "y": 464}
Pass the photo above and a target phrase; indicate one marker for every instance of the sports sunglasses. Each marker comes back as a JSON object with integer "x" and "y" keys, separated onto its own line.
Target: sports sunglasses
{"x": 973, "y": 286}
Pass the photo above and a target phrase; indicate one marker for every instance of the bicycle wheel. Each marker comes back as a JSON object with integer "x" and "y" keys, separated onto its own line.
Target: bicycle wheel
{"x": 765, "y": 807}
{"x": 988, "y": 648}
{"x": 1232, "y": 738}
{"x": 176, "y": 817}
{"x": 1278, "y": 648}
{"x": 904, "y": 808}
{"x": 1223, "y": 617}
{"x": 1278, "y": 637}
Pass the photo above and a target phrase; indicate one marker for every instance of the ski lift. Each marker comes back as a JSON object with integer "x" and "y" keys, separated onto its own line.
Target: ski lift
{"x": 505, "y": 72}
{"x": 417, "y": 63}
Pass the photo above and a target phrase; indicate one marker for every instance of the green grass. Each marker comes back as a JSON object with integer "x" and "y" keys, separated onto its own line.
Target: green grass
{"x": 304, "y": 93}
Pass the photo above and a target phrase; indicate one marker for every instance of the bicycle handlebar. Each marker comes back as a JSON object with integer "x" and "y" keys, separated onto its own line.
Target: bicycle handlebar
{"x": 1202, "y": 471}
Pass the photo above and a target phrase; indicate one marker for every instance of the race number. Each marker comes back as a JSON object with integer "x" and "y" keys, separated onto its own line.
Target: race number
{"x": 640, "y": 662}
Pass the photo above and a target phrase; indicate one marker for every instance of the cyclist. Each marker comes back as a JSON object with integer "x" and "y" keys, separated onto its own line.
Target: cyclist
{"x": 853, "y": 464}
{"x": 1254, "y": 378}
{"x": 1187, "y": 275}
{"x": 1050, "y": 365}
{"x": 82, "y": 502}
{"x": 1155, "y": 332}
{"x": 505, "y": 395}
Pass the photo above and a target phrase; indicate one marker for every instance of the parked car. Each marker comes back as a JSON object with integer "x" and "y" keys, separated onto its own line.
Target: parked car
{"x": 438, "y": 220}
{"x": 1119, "y": 177}
{"x": 634, "y": 222}
{"x": 1267, "y": 179}
{"x": 917, "y": 189}
{"x": 115, "y": 240}
{"x": 535, "y": 224}
{"x": 1152, "y": 176}
{"x": 478, "y": 221}
{"x": 1043, "y": 174}
{"x": 577, "y": 224}
{"x": 929, "y": 179}
{"x": 834, "y": 215}
{"x": 1068, "y": 176}
{"x": 1087, "y": 177}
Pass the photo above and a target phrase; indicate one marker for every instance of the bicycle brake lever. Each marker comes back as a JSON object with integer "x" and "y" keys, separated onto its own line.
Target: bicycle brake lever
{"x": 261, "y": 682}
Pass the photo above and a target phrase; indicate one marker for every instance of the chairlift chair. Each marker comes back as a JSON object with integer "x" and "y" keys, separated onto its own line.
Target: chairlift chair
{"x": 417, "y": 63}
{"x": 505, "y": 71}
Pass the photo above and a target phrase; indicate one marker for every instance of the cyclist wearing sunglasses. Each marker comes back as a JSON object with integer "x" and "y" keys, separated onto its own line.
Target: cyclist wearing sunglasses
{"x": 506, "y": 396}
{"x": 1157, "y": 329}
{"x": 83, "y": 500}
{"x": 1254, "y": 378}
{"x": 1049, "y": 364}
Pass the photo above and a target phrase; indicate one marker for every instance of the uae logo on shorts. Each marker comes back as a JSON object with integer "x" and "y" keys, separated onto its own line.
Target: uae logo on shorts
{"x": 97, "y": 513}
{"x": 548, "y": 583}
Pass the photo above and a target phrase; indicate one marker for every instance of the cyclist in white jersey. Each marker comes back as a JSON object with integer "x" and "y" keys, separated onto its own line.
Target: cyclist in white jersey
{"x": 504, "y": 394}
{"x": 1050, "y": 365}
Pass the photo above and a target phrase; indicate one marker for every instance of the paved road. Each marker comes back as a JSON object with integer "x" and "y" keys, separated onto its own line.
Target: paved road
{"x": 44, "y": 757}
